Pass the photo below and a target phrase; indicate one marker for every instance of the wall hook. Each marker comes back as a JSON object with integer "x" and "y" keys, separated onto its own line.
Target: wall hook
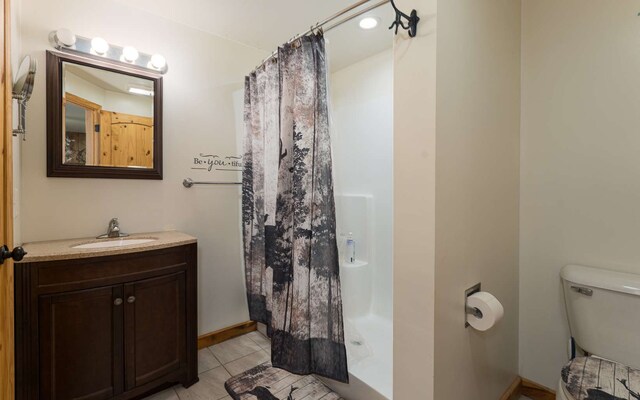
{"x": 412, "y": 21}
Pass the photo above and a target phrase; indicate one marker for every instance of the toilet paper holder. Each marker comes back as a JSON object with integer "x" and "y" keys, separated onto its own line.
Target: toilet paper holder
{"x": 468, "y": 309}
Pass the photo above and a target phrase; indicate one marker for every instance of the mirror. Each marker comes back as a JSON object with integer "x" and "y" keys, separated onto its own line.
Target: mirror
{"x": 104, "y": 120}
{"x": 23, "y": 84}
{"x": 108, "y": 118}
{"x": 22, "y": 89}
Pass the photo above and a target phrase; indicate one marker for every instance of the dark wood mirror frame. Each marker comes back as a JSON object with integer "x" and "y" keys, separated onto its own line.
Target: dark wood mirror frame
{"x": 55, "y": 164}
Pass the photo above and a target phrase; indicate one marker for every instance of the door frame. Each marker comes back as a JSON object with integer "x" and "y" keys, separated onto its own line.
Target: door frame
{"x": 7, "y": 363}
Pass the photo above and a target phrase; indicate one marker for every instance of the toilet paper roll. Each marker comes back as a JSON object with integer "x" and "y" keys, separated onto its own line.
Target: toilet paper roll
{"x": 492, "y": 310}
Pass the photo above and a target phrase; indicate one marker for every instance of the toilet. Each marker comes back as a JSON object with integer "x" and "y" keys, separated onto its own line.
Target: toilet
{"x": 603, "y": 309}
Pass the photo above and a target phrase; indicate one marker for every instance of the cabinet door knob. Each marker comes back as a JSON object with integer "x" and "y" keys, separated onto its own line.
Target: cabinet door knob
{"x": 117, "y": 301}
{"x": 131, "y": 299}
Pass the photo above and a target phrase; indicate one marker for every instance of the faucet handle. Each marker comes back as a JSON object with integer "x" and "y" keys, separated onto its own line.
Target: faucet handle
{"x": 113, "y": 230}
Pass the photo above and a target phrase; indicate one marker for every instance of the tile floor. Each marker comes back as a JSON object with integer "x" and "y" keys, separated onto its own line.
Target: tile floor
{"x": 218, "y": 363}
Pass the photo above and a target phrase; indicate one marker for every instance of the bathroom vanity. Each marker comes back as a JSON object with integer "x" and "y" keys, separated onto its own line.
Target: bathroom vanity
{"x": 96, "y": 322}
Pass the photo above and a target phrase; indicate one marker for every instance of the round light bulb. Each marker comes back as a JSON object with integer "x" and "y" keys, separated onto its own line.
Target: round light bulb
{"x": 65, "y": 37}
{"x": 130, "y": 54}
{"x": 99, "y": 45}
{"x": 368, "y": 23}
{"x": 158, "y": 61}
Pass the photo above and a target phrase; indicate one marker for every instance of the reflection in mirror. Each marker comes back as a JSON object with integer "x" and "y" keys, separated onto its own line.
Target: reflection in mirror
{"x": 107, "y": 118}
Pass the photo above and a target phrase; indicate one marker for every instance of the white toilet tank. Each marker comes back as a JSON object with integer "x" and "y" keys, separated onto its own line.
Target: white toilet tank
{"x": 604, "y": 312}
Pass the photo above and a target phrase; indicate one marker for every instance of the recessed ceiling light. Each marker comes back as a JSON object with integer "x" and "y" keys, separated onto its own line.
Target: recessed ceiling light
{"x": 144, "y": 92}
{"x": 368, "y": 22}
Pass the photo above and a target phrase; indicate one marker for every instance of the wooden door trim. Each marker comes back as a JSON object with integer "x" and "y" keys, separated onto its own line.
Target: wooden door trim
{"x": 92, "y": 140}
{"x": 81, "y": 102}
{"x": 7, "y": 347}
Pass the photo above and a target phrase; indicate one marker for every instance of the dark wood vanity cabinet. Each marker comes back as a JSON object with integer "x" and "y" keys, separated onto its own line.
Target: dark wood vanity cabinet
{"x": 113, "y": 327}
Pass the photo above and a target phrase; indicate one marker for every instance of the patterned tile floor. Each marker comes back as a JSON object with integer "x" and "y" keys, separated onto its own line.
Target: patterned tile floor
{"x": 218, "y": 363}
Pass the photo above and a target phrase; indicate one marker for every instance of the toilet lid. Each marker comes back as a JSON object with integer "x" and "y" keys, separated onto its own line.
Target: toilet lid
{"x": 588, "y": 378}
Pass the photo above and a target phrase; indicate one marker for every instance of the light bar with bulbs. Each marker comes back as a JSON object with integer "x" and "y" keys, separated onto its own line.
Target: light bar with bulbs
{"x": 97, "y": 47}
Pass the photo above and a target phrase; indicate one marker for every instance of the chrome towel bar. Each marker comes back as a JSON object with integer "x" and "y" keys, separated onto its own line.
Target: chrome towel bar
{"x": 188, "y": 182}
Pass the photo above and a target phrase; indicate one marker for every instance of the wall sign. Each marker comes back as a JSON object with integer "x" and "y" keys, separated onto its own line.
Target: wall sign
{"x": 214, "y": 162}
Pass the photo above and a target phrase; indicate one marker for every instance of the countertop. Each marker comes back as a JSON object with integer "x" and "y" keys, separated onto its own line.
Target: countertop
{"x": 53, "y": 250}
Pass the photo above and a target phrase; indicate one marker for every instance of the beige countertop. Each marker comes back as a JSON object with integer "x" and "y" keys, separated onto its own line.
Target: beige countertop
{"x": 63, "y": 249}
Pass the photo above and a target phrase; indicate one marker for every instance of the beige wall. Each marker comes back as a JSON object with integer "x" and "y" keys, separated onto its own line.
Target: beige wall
{"x": 477, "y": 192}
{"x": 580, "y": 167}
{"x": 205, "y": 75}
{"x": 414, "y": 104}
{"x": 456, "y": 197}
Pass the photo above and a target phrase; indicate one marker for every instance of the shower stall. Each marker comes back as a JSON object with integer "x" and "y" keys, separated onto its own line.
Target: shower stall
{"x": 360, "y": 93}
{"x": 361, "y": 112}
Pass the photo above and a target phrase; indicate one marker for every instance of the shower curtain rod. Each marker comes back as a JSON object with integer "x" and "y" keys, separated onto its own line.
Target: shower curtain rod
{"x": 331, "y": 18}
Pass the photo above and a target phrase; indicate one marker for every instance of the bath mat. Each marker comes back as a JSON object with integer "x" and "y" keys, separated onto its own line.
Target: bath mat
{"x": 592, "y": 378}
{"x": 265, "y": 382}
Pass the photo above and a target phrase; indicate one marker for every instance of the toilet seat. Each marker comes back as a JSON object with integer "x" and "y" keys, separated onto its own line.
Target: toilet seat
{"x": 593, "y": 377}
{"x": 562, "y": 393}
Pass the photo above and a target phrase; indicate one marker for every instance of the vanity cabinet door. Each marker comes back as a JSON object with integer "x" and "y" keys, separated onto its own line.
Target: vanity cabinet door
{"x": 81, "y": 344}
{"x": 155, "y": 328}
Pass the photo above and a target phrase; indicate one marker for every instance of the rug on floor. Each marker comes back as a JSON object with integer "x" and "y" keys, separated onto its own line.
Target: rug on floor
{"x": 265, "y": 382}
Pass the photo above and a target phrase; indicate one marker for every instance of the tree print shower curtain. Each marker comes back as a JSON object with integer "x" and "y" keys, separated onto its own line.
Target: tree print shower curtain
{"x": 288, "y": 212}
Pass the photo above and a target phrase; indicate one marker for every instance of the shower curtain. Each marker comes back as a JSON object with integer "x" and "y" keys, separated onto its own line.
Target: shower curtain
{"x": 288, "y": 212}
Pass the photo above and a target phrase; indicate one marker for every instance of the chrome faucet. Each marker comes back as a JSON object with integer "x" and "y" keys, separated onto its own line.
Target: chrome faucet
{"x": 113, "y": 231}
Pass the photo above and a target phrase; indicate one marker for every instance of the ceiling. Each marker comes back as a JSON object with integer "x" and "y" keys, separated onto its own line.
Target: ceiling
{"x": 108, "y": 80}
{"x": 265, "y": 24}
{"x": 349, "y": 43}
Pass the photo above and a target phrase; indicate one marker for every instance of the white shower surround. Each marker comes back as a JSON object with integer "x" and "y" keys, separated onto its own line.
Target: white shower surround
{"x": 362, "y": 138}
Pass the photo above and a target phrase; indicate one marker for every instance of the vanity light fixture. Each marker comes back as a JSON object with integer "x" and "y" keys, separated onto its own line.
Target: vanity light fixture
{"x": 157, "y": 62}
{"x": 63, "y": 37}
{"x": 368, "y": 23}
{"x": 129, "y": 54}
{"x": 141, "y": 91}
{"x": 65, "y": 40}
{"x": 99, "y": 46}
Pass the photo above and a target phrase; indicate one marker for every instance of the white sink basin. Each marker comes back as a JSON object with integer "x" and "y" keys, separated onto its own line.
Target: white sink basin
{"x": 113, "y": 243}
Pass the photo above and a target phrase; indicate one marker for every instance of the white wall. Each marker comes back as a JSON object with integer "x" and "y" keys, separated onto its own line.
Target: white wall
{"x": 414, "y": 135}
{"x": 362, "y": 136}
{"x": 128, "y": 103}
{"x": 205, "y": 73}
{"x": 109, "y": 100}
{"x": 580, "y": 169}
{"x": 477, "y": 193}
{"x": 80, "y": 87}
